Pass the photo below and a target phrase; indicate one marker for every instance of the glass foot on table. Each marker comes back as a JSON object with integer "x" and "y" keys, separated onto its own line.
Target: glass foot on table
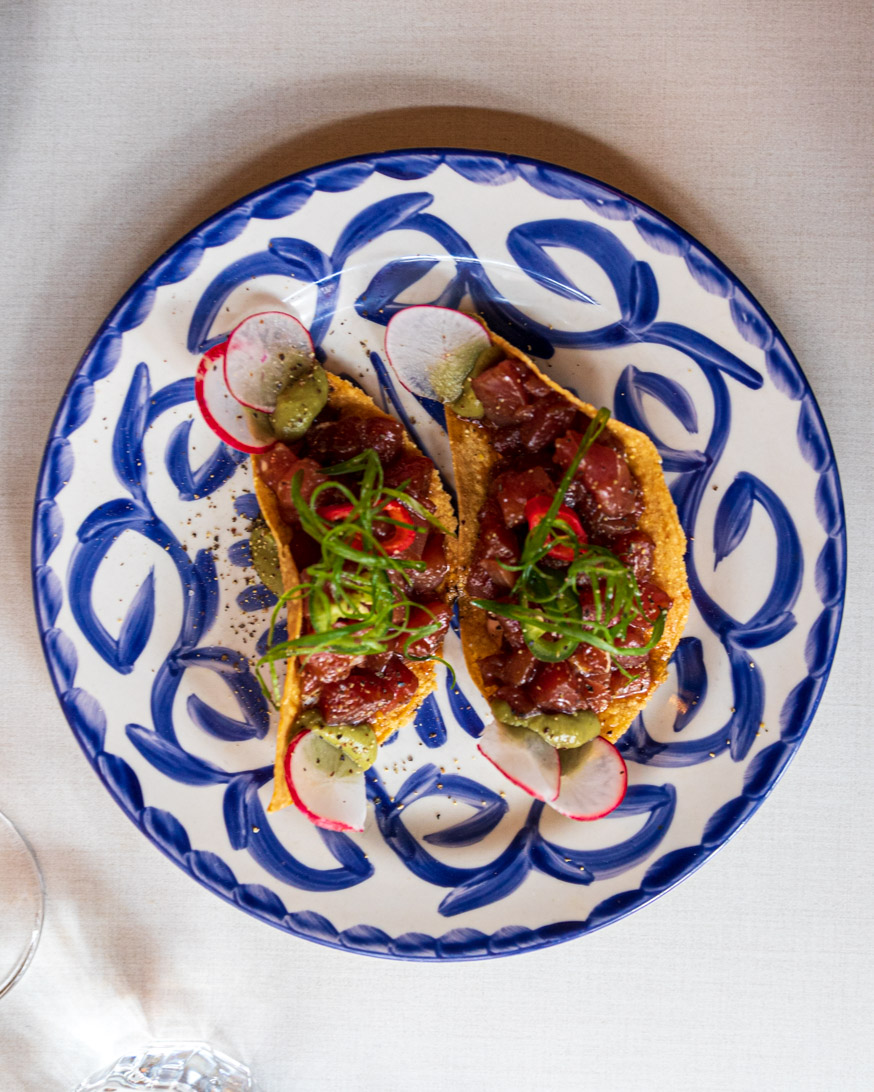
{"x": 22, "y": 902}
{"x": 172, "y": 1067}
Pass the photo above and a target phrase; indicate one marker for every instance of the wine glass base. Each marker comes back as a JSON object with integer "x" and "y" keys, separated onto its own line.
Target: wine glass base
{"x": 22, "y": 905}
{"x": 172, "y": 1067}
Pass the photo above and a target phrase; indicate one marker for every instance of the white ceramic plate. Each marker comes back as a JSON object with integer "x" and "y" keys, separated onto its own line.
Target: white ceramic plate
{"x": 149, "y": 615}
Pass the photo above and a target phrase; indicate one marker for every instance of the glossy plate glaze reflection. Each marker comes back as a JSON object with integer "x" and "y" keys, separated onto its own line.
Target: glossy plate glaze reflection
{"x": 150, "y": 617}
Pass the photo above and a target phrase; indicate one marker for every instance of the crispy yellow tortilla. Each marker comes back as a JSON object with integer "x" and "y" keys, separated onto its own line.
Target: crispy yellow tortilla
{"x": 473, "y": 459}
{"x": 347, "y": 399}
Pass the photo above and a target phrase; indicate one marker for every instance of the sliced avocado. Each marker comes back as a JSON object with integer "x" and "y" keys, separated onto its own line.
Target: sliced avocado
{"x": 259, "y": 423}
{"x": 356, "y": 741}
{"x": 560, "y": 729}
{"x": 299, "y": 403}
{"x": 467, "y": 404}
{"x": 265, "y": 557}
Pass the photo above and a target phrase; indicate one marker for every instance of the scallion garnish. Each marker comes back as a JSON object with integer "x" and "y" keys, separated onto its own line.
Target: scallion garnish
{"x": 355, "y": 593}
{"x": 547, "y": 601}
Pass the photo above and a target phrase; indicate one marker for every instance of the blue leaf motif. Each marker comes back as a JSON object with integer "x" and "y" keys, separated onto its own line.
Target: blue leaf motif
{"x": 798, "y": 708}
{"x": 212, "y": 871}
{"x": 490, "y": 809}
{"x": 137, "y": 625}
{"x": 704, "y": 351}
{"x": 224, "y": 229}
{"x": 821, "y": 640}
{"x": 339, "y": 177}
{"x": 430, "y": 727}
{"x": 727, "y": 819}
{"x": 829, "y": 505}
{"x": 239, "y": 554}
{"x": 784, "y": 371}
{"x": 167, "y": 832}
{"x": 249, "y": 827}
{"x": 58, "y": 468}
{"x": 246, "y": 504}
{"x": 178, "y": 264}
{"x": 671, "y": 868}
{"x": 61, "y": 653}
{"x": 301, "y": 259}
{"x": 282, "y": 200}
{"x": 85, "y": 714}
{"x": 261, "y": 901}
{"x": 49, "y": 526}
{"x": 750, "y": 321}
{"x": 101, "y": 359}
{"x": 708, "y": 273}
{"x": 382, "y": 216}
{"x": 764, "y": 769}
{"x": 660, "y": 235}
{"x": 688, "y": 659}
{"x": 669, "y": 392}
{"x": 255, "y": 598}
{"x": 462, "y": 710}
{"x": 385, "y": 381}
{"x": 122, "y": 781}
{"x": 172, "y": 761}
{"x": 233, "y": 668}
{"x": 631, "y": 386}
{"x": 643, "y": 303}
{"x": 50, "y": 595}
{"x": 389, "y": 282}
{"x": 733, "y": 517}
{"x": 408, "y": 168}
{"x": 528, "y": 242}
{"x": 829, "y": 573}
{"x": 220, "y": 726}
{"x": 235, "y": 809}
{"x": 217, "y": 469}
{"x": 812, "y": 437}
{"x": 76, "y": 407}
{"x": 389, "y": 816}
{"x": 265, "y": 264}
{"x": 495, "y": 881}
{"x": 316, "y": 926}
{"x": 127, "y": 443}
{"x": 486, "y": 170}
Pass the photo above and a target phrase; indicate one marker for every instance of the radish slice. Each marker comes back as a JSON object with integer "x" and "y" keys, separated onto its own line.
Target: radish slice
{"x": 261, "y": 354}
{"x": 221, "y": 411}
{"x": 524, "y": 757}
{"x": 324, "y": 784}
{"x": 593, "y": 780}
{"x": 433, "y": 349}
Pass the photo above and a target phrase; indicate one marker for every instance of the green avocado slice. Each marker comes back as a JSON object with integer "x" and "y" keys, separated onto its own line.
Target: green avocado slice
{"x": 562, "y": 730}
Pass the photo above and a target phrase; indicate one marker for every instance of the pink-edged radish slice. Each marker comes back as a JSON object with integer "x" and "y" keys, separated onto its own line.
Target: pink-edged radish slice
{"x": 433, "y": 349}
{"x": 524, "y": 757}
{"x": 593, "y": 780}
{"x": 262, "y": 353}
{"x": 230, "y": 421}
{"x": 324, "y": 784}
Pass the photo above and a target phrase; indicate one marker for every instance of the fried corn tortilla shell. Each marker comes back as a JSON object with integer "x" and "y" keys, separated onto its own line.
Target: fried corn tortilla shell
{"x": 346, "y": 398}
{"x": 473, "y": 459}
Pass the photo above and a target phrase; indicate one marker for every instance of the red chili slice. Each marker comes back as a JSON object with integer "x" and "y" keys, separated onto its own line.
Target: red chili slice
{"x": 400, "y": 538}
{"x": 537, "y": 508}
{"x": 334, "y": 513}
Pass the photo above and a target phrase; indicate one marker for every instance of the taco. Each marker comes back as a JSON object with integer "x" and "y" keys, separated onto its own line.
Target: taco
{"x": 573, "y": 591}
{"x": 356, "y": 539}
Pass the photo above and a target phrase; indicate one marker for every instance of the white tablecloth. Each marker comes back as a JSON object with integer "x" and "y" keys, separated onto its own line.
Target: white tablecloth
{"x": 124, "y": 125}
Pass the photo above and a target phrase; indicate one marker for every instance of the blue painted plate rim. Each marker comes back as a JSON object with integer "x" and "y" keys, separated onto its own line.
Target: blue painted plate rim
{"x": 461, "y": 944}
